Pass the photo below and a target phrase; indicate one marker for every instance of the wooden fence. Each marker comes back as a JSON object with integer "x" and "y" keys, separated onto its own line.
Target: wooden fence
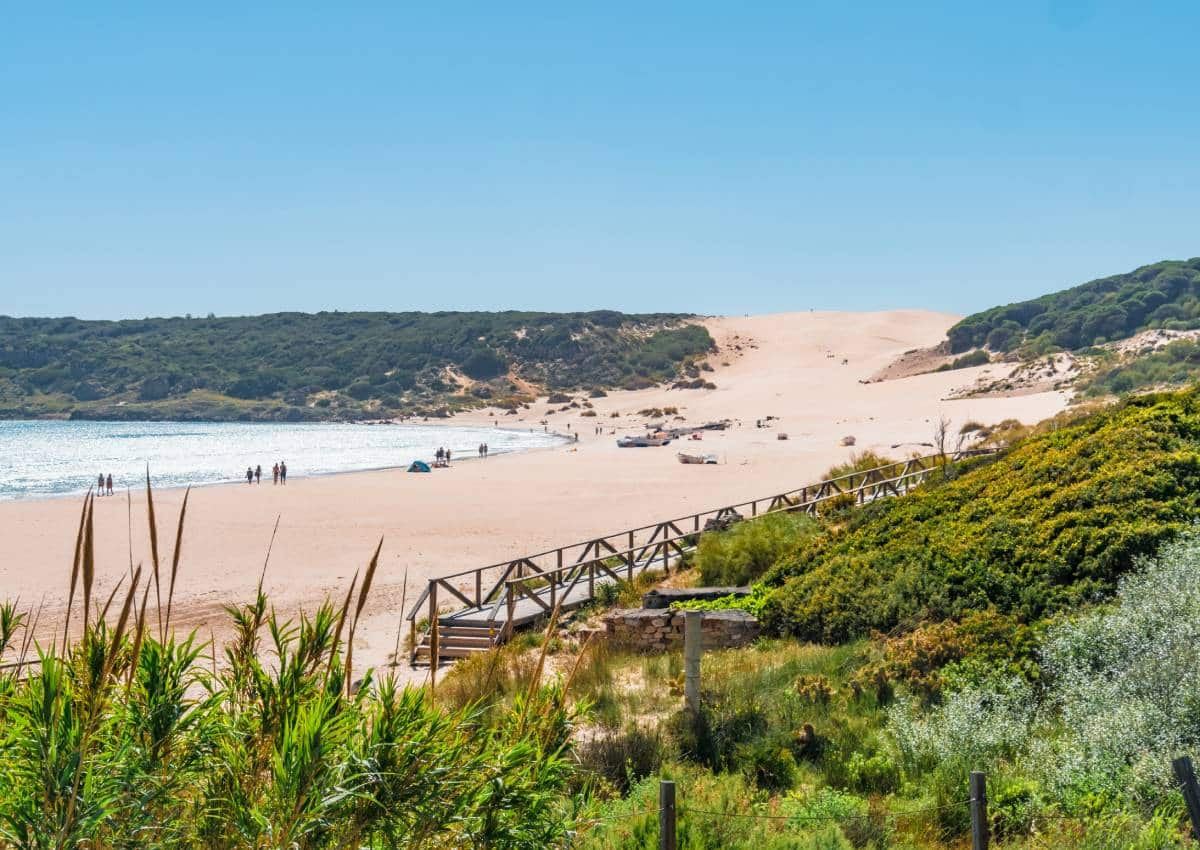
{"x": 496, "y": 599}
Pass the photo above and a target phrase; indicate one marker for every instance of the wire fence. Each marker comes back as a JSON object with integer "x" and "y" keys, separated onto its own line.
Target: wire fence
{"x": 669, "y": 814}
{"x": 976, "y": 806}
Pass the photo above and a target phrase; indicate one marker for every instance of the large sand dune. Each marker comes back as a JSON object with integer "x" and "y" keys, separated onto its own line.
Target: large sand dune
{"x": 807, "y": 369}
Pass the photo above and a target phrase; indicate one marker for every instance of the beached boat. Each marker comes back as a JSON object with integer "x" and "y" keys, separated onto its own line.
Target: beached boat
{"x": 643, "y": 442}
{"x": 686, "y": 458}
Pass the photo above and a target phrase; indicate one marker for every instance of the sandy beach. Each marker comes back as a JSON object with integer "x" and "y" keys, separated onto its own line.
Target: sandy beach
{"x": 806, "y": 369}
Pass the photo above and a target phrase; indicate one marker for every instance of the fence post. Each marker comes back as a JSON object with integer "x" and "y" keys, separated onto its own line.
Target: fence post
{"x": 1186, "y": 777}
{"x": 666, "y": 815}
{"x": 979, "y": 819}
{"x": 693, "y": 647}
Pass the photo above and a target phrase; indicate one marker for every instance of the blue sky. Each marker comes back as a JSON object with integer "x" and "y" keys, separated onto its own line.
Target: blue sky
{"x": 716, "y": 158}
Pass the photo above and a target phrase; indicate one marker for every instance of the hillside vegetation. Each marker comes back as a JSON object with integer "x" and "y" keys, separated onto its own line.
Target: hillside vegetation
{"x": 1049, "y": 526}
{"x": 1162, "y": 295}
{"x": 1175, "y": 364}
{"x": 327, "y": 365}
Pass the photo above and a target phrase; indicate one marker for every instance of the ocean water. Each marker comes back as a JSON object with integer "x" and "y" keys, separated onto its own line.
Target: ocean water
{"x": 39, "y": 459}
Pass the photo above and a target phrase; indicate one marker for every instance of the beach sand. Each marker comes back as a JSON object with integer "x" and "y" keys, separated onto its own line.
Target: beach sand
{"x": 479, "y": 512}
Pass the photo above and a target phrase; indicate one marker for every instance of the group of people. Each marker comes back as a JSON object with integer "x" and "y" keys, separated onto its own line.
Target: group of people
{"x": 104, "y": 485}
{"x": 278, "y": 474}
{"x": 442, "y": 456}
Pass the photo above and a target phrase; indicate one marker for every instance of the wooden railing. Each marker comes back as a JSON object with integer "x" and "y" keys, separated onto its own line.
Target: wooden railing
{"x": 548, "y": 576}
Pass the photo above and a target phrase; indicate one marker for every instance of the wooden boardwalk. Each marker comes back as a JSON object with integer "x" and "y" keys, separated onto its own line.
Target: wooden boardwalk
{"x": 489, "y": 603}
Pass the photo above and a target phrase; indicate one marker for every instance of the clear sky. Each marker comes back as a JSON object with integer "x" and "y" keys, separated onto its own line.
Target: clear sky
{"x": 166, "y": 158}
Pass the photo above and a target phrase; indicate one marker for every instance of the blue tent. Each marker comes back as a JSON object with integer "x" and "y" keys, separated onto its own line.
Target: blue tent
{"x": 418, "y": 466}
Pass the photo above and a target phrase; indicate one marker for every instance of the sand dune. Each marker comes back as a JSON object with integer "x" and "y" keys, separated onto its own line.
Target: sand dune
{"x": 807, "y": 369}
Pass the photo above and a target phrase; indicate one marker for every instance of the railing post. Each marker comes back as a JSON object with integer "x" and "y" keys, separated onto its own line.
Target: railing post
{"x": 979, "y": 818}
{"x": 591, "y": 579}
{"x": 479, "y": 588}
{"x": 554, "y": 591}
{"x": 666, "y": 815}
{"x": 1186, "y": 777}
{"x": 434, "y": 649}
{"x": 512, "y": 605}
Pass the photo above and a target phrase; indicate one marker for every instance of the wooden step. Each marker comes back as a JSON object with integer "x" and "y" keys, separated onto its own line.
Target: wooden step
{"x": 451, "y": 651}
{"x": 458, "y": 640}
{"x": 466, "y": 631}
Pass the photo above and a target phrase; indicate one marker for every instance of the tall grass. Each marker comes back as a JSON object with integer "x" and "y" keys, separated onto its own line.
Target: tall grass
{"x": 748, "y": 549}
{"x": 130, "y": 735}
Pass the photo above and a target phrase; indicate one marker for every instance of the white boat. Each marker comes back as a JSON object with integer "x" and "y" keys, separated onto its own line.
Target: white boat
{"x": 643, "y": 442}
{"x": 686, "y": 458}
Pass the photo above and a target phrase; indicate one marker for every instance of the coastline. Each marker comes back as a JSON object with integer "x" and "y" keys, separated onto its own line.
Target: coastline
{"x": 564, "y": 439}
{"x": 788, "y": 366}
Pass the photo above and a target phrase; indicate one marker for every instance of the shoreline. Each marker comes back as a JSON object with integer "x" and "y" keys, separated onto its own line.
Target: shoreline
{"x": 564, "y": 439}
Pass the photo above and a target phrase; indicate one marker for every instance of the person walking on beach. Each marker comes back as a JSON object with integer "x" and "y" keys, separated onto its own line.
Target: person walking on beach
{"x": 479, "y": 451}
{"x": 283, "y": 472}
{"x": 108, "y": 484}
{"x": 485, "y": 451}
{"x": 438, "y": 456}
{"x": 100, "y": 485}
{"x": 249, "y": 475}
{"x": 447, "y": 457}
{"x": 258, "y": 473}
{"x": 275, "y": 473}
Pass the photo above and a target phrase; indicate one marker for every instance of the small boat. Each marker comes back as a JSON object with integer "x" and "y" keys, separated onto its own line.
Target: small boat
{"x": 643, "y": 442}
{"x": 686, "y": 458}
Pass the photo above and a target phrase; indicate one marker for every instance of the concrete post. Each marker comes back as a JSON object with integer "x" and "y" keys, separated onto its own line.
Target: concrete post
{"x": 693, "y": 647}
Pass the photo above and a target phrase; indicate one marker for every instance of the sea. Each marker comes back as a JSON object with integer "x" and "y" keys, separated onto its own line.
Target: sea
{"x": 40, "y": 459}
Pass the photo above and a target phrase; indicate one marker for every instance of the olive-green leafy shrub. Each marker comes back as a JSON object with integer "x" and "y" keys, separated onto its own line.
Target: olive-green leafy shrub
{"x": 1048, "y": 526}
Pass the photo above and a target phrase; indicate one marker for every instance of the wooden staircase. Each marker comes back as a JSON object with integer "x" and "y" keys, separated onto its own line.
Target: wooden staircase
{"x": 455, "y": 641}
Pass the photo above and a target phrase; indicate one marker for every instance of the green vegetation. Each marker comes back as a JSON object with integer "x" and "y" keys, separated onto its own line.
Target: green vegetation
{"x": 1049, "y": 526}
{"x": 978, "y": 357}
{"x": 1175, "y": 364}
{"x": 130, "y": 737}
{"x": 749, "y": 549}
{"x": 1162, "y": 295}
{"x": 327, "y": 365}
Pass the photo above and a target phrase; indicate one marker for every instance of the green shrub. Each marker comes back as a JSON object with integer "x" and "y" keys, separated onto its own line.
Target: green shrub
{"x": 768, "y": 763}
{"x": 622, "y": 758}
{"x": 979, "y": 357}
{"x": 1049, "y": 526}
{"x": 1175, "y": 364}
{"x": 749, "y": 548}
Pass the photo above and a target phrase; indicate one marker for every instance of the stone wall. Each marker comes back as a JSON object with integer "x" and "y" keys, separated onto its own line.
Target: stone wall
{"x": 659, "y": 629}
